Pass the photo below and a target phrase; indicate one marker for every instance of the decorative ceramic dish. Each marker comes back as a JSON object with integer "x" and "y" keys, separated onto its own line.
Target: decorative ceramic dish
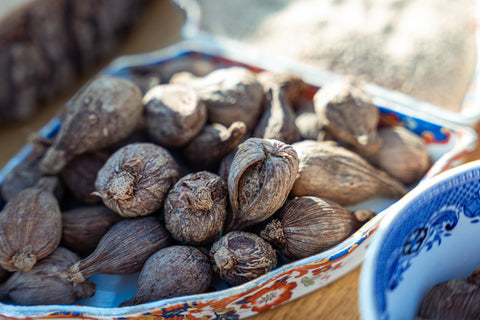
{"x": 429, "y": 236}
{"x": 448, "y": 144}
{"x": 467, "y": 115}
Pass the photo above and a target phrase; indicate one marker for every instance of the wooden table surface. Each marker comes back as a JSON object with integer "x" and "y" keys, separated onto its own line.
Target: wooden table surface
{"x": 160, "y": 27}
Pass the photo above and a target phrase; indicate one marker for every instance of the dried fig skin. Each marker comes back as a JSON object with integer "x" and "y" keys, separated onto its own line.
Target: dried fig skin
{"x": 261, "y": 176}
{"x": 290, "y": 83}
{"x": 452, "y": 299}
{"x": 335, "y": 173}
{"x": 135, "y": 179}
{"x": 403, "y": 155}
{"x": 172, "y": 272}
{"x": 84, "y": 227}
{"x": 174, "y": 114}
{"x": 196, "y": 208}
{"x": 208, "y": 148}
{"x": 44, "y": 283}
{"x": 348, "y": 114}
{"x": 104, "y": 111}
{"x": 30, "y": 226}
{"x": 240, "y": 256}
{"x": 306, "y": 226}
{"x": 230, "y": 94}
{"x": 278, "y": 120}
{"x": 123, "y": 249}
{"x": 80, "y": 173}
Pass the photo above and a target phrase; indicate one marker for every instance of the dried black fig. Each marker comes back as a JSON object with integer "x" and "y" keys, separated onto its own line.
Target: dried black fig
{"x": 241, "y": 256}
{"x": 30, "y": 226}
{"x": 45, "y": 284}
{"x": 172, "y": 272}
{"x": 330, "y": 171}
{"x": 196, "y": 208}
{"x": 305, "y": 226}
{"x": 83, "y": 227}
{"x": 123, "y": 249}
{"x": 174, "y": 114}
{"x": 135, "y": 179}
{"x": 260, "y": 178}
{"x": 106, "y": 110}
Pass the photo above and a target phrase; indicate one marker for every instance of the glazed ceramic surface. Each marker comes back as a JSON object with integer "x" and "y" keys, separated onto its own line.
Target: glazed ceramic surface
{"x": 429, "y": 236}
{"x": 448, "y": 144}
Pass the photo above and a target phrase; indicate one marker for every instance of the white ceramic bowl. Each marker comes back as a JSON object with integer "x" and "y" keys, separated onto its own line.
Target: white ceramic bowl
{"x": 448, "y": 144}
{"x": 429, "y": 236}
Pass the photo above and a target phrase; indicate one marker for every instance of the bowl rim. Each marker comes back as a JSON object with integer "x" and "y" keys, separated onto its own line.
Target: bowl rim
{"x": 366, "y": 293}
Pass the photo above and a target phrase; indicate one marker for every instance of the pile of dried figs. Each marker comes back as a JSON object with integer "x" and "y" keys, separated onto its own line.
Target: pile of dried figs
{"x": 193, "y": 178}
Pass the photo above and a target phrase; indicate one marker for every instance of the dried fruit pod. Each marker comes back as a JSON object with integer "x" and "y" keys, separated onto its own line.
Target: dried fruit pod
{"x": 330, "y": 171}
{"x": 348, "y": 114}
{"x": 261, "y": 176}
{"x": 196, "y": 208}
{"x": 174, "y": 114}
{"x": 305, "y": 226}
{"x": 403, "y": 155}
{"x": 45, "y": 284}
{"x": 230, "y": 94}
{"x": 80, "y": 173}
{"x": 30, "y": 226}
{"x": 225, "y": 164}
{"x": 135, "y": 179}
{"x": 241, "y": 256}
{"x": 291, "y": 84}
{"x": 83, "y": 227}
{"x": 104, "y": 111}
{"x": 278, "y": 120}
{"x": 123, "y": 249}
{"x": 308, "y": 123}
{"x": 172, "y": 272}
{"x": 208, "y": 148}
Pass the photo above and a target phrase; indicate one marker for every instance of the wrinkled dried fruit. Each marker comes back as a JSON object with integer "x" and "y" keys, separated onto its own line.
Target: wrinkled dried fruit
{"x": 208, "y": 148}
{"x": 123, "y": 249}
{"x": 330, "y": 171}
{"x": 80, "y": 173}
{"x": 291, "y": 84}
{"x": 348, "y": 114}
{"x": 278, "y": 120}
{"x": 104, "y": 111}
{"x": 305, "y": 226}
{"x": 45, "y": 283}
{"x": 196, "y": 208}
{"x": 83, "y": 227}
{"x": 261, "y": 176}
{"x": 172, "y": 272}
{"x": 174, "y": 114}
{"x": 135, "y": 179}
{"x": 241, "y": 256}
{"x": 230, "y": 94}
{"x": 30, "y": 226}
{"x": 403, "y": 155}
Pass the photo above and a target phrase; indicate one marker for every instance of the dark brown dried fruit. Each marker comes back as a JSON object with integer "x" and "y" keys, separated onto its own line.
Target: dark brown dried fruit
{"x": 291, "y": 84}
{"x": 230, "y": 94}
{"x": 174, "y": 114}
{"x": 403, "y": 155}
{"x": 348, "y": 114}
{"x": 196, "y": 208}
{"x": 80, "y": 173}
{"x": 261, "y": 176}
{"x": 135, "y": 179}
{"x": 123, "y": 249}
{"x": 84, "y": 227}
{"x": 208, "y": 148}
{"x": 278, "y": 120}
{"x": 305, "y": 226}
{"x": 104, "y": 111}
{"x": 30, "y": 226}
{"x": 241, "y": 256}
{"x": 45, "y": 283}
{"x": 172, "y": 272}
{"x": 330, "y": 171}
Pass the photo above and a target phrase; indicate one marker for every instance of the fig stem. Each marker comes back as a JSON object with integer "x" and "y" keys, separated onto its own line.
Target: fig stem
{"x": 24, "y": 260}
